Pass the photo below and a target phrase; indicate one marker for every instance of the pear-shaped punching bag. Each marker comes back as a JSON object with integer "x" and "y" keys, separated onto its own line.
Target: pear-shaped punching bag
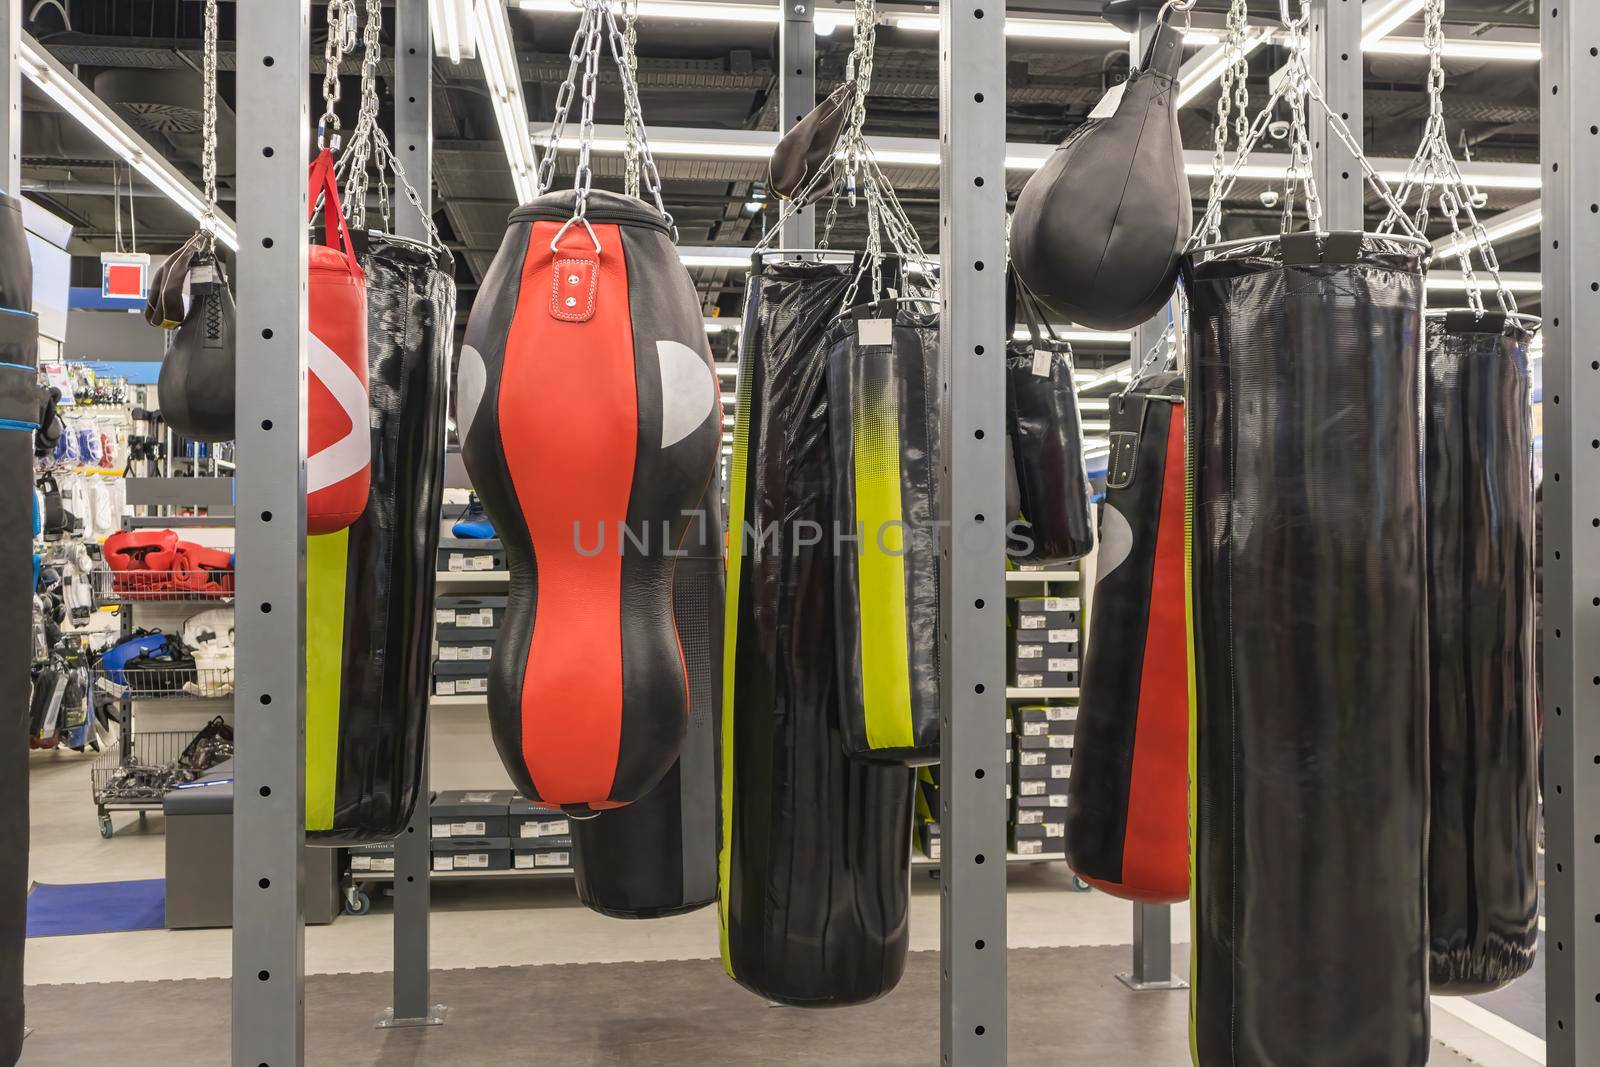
{"x": 589, "y": 417}
{"x": 658, "y": 856}
{"x": 197, "y": 373}
{"x": 19, "y": 416}
{"x": 1099, "y": 228}
{"x": 338, "y": 436}
{"x": 1483, "y": 889}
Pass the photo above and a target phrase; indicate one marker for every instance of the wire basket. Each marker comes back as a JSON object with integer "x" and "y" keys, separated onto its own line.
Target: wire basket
{"x": 156, "y": 762}
{"x": 165, "y": 682}
{"x": 134, "y": 587}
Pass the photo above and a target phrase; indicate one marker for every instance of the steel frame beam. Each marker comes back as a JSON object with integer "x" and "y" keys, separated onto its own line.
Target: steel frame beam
{"x": 797, "y": 95}
{"x": 973, "y": 333}
{"x": 1336, "y": 65}
{"x": 274, "y": 80}
{"x": 1571, "y": 622}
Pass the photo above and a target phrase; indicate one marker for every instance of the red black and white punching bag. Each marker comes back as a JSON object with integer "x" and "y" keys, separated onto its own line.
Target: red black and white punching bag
{"x": 1127, "y": 814}
{"x": 338, "y": 427}
{"x": 590, "y": 417}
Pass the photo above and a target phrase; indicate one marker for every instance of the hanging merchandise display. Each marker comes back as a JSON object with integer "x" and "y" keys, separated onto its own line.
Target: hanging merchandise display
{"x": 658, "y": 856}
{"x": 1483, "y": 892}
{"x": 1127, "y": 813}
{"x": 1049, "y": 508}
{"x": 814, "y": 861}
{"x": 1099, "y": 228}
{"x": 370, "y": 588}
{"x": 196, "y": 384}
{"x": 1304, "y": 406}
{"x": 589, "y": 416}
{"x": 19, "y": 418}
{"x": 810, "y": 146}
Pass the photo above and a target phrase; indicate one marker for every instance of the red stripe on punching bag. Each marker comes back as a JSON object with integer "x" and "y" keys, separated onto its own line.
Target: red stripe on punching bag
{"x": 1156, "y": 856}
{"x": 570, "y": 438}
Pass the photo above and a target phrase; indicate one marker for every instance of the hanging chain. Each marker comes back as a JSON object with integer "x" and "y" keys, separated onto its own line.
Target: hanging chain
{"x": 340, "y": 42}
{"x": 1235, "y": 95}
{"x": 591, "y": 79}
{"x": 630, "y": 120}
{"x": 648, "y": 171}
{"x": 569, "y": 88}
{"x": 208, "y": 151}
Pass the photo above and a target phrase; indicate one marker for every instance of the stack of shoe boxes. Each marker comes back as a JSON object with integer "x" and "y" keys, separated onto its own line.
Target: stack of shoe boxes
{"x": 541, "y": 839}
{"x": 1044, "y": 642}
{"x": 466, "y": 628}
{"x": 1041, "y": 770}
{"x": 471, "y": 830}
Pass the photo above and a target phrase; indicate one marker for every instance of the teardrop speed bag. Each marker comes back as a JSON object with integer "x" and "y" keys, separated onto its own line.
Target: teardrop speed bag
{"x": 815, "y": 855}
{"x": 590, "y": 419}
{"x": 196, "y": 386}
{"x": 19, "y": 417}
{"x": 1098, "y": 229}
{"x": 1044, "y": 436}
{"x": 883, "y": 395}
{"x": 1128, "y": 801}
{"x": 658, "y": 856}
{"x": 1310, "y": 641}
{"x": 1483, "y": 890}
{"x": 369, "y": 588}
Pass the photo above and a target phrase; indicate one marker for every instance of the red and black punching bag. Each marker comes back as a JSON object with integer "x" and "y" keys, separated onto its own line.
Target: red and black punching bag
{"x": 590, "y": 417}
{"x": 338, "y": 431}
{"x": 1127, "y": 813}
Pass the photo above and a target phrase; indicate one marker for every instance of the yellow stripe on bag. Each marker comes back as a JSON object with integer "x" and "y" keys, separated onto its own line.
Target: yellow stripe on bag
{"x": 1194, "y": 727}
{"x": 735, "y": 566}
{"x": 327, "y": 557}
{"x": 881, "y": 571}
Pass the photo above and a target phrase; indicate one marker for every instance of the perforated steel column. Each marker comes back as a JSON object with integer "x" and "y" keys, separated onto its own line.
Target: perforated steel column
{"x": 1336, "y": 64}
{"x": 11, "y": 96}
{"x": 797, "y": 95}
{"x": 972, "y": 805}
{"x": 274, "y": 76}
{"x": 1570, "y": 142}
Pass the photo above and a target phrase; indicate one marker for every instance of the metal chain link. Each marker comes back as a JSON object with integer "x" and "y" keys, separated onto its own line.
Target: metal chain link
{"x": 649, "y": 172}
{"x": 1235, "y": 93}
{"x": 569, "y": 88}
{"x": 630, "y": 120}
{"x": 208, "y": 153}
{"x": 340, "y": 42}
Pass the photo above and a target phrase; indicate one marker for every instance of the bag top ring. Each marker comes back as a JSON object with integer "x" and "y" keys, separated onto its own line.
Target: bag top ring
{"x": 574, "y": 221}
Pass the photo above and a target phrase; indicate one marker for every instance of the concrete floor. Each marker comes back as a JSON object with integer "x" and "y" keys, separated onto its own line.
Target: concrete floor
{"x": 492, "y": 942}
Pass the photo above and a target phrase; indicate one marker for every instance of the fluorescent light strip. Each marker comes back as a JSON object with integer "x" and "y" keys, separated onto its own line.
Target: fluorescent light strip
{"x": 73, "y": 97}
{"x": 1509, "y": 224}
{"x": 451, "y": 22}
{"x": 504, "y": 79}
{"x": 1091, "y": 404}
{"x": 725, "y": 371}
{"x": 1510, "y": 51}
{"x": 1486, "y": 282}
{"x": 1380, "y": 18}
{"x": 1203, "y": 70}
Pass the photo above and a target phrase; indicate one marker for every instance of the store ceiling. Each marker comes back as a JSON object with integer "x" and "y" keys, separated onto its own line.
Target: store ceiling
{"x": 144, "y": 55}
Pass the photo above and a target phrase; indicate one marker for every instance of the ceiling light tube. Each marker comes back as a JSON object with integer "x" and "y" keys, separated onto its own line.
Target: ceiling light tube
{"x": 1510, "y": 51}
{"x": 1380, "y": 18}
{"x": 1514, "y": 283}
{"x": 1521, "y": 220}
{"x": 1204, "y": 69}
{"x": 73, "y": 97}
{"x": 451, "y": 21}
{"x": 503, "y": 77}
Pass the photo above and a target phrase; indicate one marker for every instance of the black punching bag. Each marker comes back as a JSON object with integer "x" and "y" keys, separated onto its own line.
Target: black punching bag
{"x": 19, "y": 415}
{"x": 658, "y": 855}
{"x": 1483, "y": 890}
{"x": 1310, "y": 638}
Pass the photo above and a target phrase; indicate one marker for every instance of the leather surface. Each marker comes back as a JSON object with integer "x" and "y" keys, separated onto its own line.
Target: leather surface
{"x": 16, "y": 265}
{"x": 658, "y": 856}
{"x": 1128, "y": 817}
{"x": 588, "y": 691}
{"x": 884, "y": 437}
{"x": 1483, "y": 889}
{"x": 1098, "y": 229}
{"x": 1310, "y": 646}
{"x": 196, "y": 386}
{"x": 815, "y": 856}
{"x": 808, "y": 147}
{"x": 384, "y": 657}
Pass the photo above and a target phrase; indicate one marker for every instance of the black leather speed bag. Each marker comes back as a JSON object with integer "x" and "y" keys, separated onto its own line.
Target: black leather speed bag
{"x": 196, "y": 383}
{"x": 1098, "y": 229}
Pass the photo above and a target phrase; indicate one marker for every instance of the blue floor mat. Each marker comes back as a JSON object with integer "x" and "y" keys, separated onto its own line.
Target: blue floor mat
{"x": 96, "y": 907}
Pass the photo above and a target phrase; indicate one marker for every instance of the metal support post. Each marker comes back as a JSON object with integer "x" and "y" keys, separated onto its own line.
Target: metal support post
{"x": 413, "y": 128}
{"x": 797, "y": 95}
{"x": 1336, "y": 64}
{"x": 11, "y": 97}
{"x": 973, "y": 334}
{"x": 1571, "y": 624}
{"x": 274, "y": 78}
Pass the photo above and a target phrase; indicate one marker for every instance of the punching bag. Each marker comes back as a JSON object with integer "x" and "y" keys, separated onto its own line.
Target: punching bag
{"x": 883, "y": 429}
{"x": 1310, "y": 641}
{"x": 196, "y": 384}
{"x": 589, "y": 416}
{"x": 338, "y": 439}
{"x": 369, "y": 588}
{"x": 1050, "y": 520}
{"x": 1128, "y": 799}
{"x": 815, "y": 854}
{"x": 1483, "y": 890}
{"x": 658, "y": 856}
{"x": 1099, "y": 228}
{"x": 19, "y": 417}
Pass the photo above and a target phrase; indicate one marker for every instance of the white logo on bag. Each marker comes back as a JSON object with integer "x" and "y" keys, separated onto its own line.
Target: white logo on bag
{"x": 352, "y": 452}
{"x": 688, "y": 391}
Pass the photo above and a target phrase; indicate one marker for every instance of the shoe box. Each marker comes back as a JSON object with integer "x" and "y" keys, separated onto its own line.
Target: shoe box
{"x": 471, "y": 813}
{"x": 469, "y": 555}
{"x": 1045, "y": 642}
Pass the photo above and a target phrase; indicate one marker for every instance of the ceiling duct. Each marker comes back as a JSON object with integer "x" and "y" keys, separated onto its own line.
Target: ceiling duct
{"x": 165, "y": 107}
